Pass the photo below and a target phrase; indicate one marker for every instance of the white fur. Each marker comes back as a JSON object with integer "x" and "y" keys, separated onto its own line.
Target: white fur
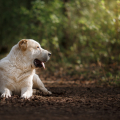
{"x": 17, "y": 70}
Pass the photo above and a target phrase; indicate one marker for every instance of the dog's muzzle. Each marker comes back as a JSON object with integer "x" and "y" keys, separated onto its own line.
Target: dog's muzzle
{"x": 39, "y": 64}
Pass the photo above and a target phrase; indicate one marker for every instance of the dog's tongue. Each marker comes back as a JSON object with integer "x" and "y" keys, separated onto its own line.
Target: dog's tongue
{"x": 43, "y": 65}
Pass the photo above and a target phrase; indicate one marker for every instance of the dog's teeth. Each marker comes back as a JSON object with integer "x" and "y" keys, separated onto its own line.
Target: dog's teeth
{"x": 43, "y": 65}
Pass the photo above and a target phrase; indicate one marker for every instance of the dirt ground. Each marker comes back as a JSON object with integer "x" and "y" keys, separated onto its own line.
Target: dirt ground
{"x": 73, "y": 98}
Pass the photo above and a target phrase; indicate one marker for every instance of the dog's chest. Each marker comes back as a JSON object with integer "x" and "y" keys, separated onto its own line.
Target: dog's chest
{"x": 13, "y": 73}
{"x": 18, "y": 75}
{"x": 19, "y": 80}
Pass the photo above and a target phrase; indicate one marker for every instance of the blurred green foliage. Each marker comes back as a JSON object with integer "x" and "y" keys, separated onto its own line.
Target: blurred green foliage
{"x": 76, "y": 31}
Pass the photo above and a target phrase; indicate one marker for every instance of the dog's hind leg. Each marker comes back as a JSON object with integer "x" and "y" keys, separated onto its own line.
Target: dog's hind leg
{"x": 37, "y": 84}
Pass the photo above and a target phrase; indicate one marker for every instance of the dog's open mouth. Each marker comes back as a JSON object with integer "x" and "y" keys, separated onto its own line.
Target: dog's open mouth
{"x": 39, "y": 64}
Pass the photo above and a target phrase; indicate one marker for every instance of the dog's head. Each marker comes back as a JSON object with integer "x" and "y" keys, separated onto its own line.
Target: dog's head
{"x": 33, "y": 51}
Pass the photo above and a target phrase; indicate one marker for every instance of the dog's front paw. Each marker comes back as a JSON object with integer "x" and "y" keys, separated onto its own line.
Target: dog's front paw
{"x": 6, "y": 95}
{"x": 26, "y": 92}
{"x": 25, "y": 96}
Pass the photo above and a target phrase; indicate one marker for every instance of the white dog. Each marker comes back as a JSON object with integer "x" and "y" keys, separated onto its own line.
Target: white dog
{"x": 17, "y": 69}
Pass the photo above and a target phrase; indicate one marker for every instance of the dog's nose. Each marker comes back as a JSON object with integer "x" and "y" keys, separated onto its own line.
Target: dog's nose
{"x": 49, "y": 54}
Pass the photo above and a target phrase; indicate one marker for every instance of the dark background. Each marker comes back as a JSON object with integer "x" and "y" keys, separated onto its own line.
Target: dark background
{"x": 79, "y": 33}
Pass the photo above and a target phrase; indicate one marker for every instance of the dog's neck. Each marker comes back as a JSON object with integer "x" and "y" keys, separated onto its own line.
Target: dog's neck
{"x": 20, "y": 60}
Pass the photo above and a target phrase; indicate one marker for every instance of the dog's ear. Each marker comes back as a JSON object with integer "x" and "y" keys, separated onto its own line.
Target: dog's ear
{"x": 23, "y": 44}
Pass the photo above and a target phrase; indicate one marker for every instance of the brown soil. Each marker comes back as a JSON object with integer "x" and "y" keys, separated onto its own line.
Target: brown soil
{"x": 71, "y": 99}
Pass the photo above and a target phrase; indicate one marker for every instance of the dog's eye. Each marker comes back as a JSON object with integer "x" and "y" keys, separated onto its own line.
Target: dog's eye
{"x": 37, "y": 46}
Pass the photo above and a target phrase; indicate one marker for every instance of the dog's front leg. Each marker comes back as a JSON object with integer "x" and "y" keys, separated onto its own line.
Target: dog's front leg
{"x": 37, "y": 83}
{"x": 5, "y": 92}
{"x": 26, "y": 88}
{"x": 26, "y": 92}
